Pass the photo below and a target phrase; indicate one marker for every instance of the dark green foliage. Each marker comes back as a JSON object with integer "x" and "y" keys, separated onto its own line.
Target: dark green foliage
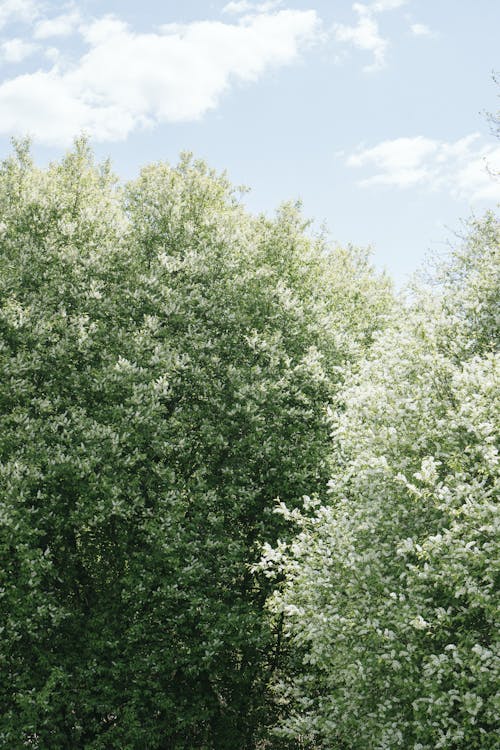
{"x": 165, "y": 361}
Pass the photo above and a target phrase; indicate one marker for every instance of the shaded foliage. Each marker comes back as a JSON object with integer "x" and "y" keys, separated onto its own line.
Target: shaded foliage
{"x": 166, "y": 361}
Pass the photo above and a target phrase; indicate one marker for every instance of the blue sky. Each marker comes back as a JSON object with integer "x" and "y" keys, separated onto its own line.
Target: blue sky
{"x": 372, "y": 113}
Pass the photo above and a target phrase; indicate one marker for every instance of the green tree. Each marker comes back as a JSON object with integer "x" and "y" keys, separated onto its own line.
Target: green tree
{"x": 391, "y": 587}
{"x": 166, "y": 360}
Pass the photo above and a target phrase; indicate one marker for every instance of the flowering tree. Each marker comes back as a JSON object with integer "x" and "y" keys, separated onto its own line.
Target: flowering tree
{"x": 165, "y": 360}
{"x": 391, "y": 587}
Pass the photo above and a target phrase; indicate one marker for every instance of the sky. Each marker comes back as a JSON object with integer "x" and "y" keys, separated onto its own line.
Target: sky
{"x": 372, "y": 113}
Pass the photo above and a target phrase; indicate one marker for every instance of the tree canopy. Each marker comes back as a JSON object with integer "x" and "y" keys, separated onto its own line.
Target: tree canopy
{"x": 166, "y": 364}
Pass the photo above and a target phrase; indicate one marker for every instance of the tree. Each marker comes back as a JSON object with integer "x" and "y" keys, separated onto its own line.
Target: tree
{"x": 166, "y": 361}
{"x": 391, "y": 586}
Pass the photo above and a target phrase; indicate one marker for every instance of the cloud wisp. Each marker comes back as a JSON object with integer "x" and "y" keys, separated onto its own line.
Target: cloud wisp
{"x": 16, "y": 50}
{"x": 465, "y": 168}
{"x": 237, "y": 7}
{"x": 365, "y": 34}
{"x": 127, "y": 80}
{"x": 58, "y": 26}
{"x": 420, "y": 29}
{"x": 14, "y": 11}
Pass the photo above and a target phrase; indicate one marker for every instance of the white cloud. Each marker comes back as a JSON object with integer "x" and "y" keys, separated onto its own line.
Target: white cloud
{"x": 62, "y": 25}
{"x": 128, "y": 80}
{"x": 43, "y": 105}
{"x": 25, "y": 11}
{"x": 16, "y": 50}
{"x": 463, "y": 168}
{"x": 52, "y": 54}
{"x": 382, "y": 5}
{"x": 420, "y": 29}
{"x": 237, "y": 7}
{"x": 365, "y": 36}
{"x": 400, "y": 162}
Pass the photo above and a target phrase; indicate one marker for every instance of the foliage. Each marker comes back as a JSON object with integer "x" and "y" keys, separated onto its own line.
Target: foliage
{"x": 391, "y": 587}
{"x": 165, "y": 361}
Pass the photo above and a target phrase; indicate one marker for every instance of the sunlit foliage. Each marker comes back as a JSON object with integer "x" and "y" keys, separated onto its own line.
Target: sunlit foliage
{"x": 391, "y": 583}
